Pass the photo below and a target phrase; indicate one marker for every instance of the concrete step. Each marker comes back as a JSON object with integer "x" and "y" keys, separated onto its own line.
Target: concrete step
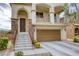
{"x": 23, "y": 38}
{"x": 23, "y": 45}
{"x": 23, "y": 33}
{"x": 20, "y": 46}
{"x": 23, "y": 42}
{"x": 23, "y": 48}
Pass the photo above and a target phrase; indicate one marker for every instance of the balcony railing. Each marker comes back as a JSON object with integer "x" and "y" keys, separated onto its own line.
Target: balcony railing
{"x": 42, "y": 20}
{"x": 56, "y": 21}
{"x": 59, "y": 21}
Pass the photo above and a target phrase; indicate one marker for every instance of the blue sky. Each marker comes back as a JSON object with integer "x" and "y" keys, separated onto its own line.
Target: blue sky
{"x": 5, "y": 15}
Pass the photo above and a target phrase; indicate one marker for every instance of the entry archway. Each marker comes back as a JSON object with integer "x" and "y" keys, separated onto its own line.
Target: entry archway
{"x": 22, "y": 21}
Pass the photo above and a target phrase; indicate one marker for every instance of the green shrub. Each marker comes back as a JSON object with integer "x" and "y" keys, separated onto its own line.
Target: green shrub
{"x": 3, "y": 43}
{"x": 19, "y": 53}
{"x": 76, "y": 39}
{"x": 37, "y": 45}
{"x": 34, "y": 41}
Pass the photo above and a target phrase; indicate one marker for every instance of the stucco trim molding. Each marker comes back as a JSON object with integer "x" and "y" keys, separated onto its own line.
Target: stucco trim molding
{"x": 14, "y": 19}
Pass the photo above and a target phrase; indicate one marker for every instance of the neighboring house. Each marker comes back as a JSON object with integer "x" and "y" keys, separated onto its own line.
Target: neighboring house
{"x": 42, "y": 21}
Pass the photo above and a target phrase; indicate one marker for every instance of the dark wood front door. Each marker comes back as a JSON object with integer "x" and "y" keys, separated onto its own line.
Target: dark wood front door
{"x": 22, "y": 24}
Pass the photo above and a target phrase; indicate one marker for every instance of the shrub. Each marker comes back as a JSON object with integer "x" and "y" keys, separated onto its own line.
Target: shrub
{"x": 3, "y": 43}
{"x": 34, "y": 41}
{"x": 76, "y": 39}
{"x": 37, "y": 45}
{"x": 19, "y": 53}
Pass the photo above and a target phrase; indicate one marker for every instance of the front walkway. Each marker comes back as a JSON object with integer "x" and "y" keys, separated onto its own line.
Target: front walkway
{"x": 61, "y": 48}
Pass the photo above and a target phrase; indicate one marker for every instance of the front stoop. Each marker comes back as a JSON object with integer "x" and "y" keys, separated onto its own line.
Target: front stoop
{"x": 23, "y": 42}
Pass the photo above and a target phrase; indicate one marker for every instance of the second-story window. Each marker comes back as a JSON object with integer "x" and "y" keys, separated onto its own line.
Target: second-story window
{"x": 39, "y": 14}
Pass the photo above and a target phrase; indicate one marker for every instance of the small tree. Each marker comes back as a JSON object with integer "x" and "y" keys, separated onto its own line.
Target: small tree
{"x": 70, "y": 12}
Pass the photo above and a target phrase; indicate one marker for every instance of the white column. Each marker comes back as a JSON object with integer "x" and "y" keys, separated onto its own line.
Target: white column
{"x": 35, "y": 34}
{"x": 51, "y": 15}
{"x": 57, "y": 16}
{"x": 33, "y": 13}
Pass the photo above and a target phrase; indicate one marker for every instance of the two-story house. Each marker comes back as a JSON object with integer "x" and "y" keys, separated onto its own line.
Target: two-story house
{"x": 41, "y": 21}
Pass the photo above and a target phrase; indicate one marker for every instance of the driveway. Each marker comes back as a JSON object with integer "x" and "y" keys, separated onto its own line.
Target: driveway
{"x": 61, "y": 48}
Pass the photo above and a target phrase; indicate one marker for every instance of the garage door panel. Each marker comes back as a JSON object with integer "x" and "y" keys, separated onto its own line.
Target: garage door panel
{"x": 48, "y": 35}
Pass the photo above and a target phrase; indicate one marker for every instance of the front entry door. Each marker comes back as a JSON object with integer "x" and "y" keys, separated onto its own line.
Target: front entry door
{"x": 22, "y": 24}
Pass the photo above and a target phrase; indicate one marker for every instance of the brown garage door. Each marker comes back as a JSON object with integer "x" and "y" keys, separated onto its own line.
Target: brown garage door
{"x": 48, "y": 35}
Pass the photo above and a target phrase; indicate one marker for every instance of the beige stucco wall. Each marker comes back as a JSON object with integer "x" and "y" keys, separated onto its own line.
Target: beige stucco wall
{"x": 63, "y": 34}
{"x": 70, "y": 31}
{"x": 17, "y": 7}
{"x": 53, "y": 27}
{"x": 28, "y": 9}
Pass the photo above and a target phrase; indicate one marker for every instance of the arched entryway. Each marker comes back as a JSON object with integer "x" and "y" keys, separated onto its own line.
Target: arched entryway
{"x": 22, "y": 21}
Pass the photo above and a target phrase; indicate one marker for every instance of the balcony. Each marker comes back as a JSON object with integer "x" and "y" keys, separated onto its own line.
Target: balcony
{"x": 59, "y": 21}
{"x": 43, "y": 20}
{"x": 47, "y": 21}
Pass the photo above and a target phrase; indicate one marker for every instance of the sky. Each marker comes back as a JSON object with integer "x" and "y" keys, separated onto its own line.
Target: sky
{"x": 5, "y": 15}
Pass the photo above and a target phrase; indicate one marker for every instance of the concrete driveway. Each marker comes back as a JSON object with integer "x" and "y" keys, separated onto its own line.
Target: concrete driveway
{"x": 61, "y": 48}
